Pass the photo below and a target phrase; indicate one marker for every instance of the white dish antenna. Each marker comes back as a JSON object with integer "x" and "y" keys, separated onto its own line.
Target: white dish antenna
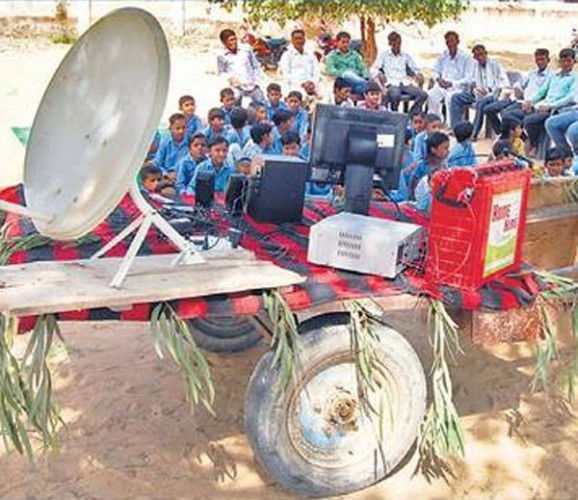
{"x": 95, "y": 123}
{"x": 93, "y": 129}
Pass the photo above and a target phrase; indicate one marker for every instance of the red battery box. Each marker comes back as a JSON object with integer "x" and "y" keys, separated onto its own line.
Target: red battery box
{"x": 478, "y": 222}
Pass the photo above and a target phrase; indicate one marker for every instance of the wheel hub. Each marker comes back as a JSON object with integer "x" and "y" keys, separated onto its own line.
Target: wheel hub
{"x": 326, "y": 422}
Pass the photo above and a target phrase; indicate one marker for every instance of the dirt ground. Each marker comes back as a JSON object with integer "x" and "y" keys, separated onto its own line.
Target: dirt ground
{"x": 129, "y": 431}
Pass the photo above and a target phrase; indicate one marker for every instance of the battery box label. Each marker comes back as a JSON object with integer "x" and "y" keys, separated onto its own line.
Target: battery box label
{"x": 503, "y": 231}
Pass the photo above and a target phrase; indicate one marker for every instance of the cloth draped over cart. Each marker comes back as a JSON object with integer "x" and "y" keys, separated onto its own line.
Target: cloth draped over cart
{"x": 286, "y": 246}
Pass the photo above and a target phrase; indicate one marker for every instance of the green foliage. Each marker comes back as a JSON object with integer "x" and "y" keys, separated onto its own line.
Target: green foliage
{"x": 282, "y": 11}
{"x": 168, "y": 329}
{"x": 370, "y": 373}
{"x": 441, "y": 434}
{"x": 561, "y": 291}
{"x": 285, "y": 341}
{"x": 26, "y": 405}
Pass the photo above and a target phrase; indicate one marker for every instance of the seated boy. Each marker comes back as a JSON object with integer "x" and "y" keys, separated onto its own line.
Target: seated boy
{"x": 216, "y": 163}
{"x": 372, "y": 97}
{"x": 216, "y": 127}
{"x": 283, "y": 121}
{"x": 462, "y": 153}
{"x": 291, "y": 143}
{"x": 555, "y": 163}
{"x": 274, "y": 102}
{"x": 150, "y": 176}
{"x": 239, "y": 128}
{"x": 227, "y": 103}
{"x": 187, "y": 165}
{"x": 341, "y": 93}
{"x": 260, "y": 142}
{"x": 433, "y": 123}
{"x": 173, "y": 147}
{"x": 300, "y": 117}
{"x": 188, "y": 106}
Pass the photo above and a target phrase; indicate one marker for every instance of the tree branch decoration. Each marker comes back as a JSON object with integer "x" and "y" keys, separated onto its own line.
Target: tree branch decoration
{"x": 441, "y": 434}
{"x": 26, "y": 404}
{"x": 173, "y": 332}
{"x": 370, "y": 375}
{"x": 565, "y": 291}
{"x": 286, "y": 342}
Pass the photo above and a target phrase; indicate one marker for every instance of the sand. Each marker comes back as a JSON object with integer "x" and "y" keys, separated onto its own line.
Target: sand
{"x": 129, "y": 432}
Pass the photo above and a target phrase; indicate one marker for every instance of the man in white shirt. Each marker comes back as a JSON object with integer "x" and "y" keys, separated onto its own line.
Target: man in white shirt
{"x": 450, "y": 74}
{"x": 300, "y": 66}
{"x": 523, "y": 90}
{"x": 239, "y": 67}
{"x": 399, "y": 74}
{"x": 486, "y": 78}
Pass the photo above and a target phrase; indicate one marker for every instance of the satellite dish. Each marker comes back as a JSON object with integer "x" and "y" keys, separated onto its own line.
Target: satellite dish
{"x": 95, "y": 123}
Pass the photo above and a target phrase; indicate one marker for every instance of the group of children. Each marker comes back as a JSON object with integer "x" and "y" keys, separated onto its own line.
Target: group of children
{"x": 427, "y": 150}
{"x": 231, "y": 138}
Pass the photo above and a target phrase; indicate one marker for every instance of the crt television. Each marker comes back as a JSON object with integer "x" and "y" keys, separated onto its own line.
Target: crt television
{"x": 350, "y": 145}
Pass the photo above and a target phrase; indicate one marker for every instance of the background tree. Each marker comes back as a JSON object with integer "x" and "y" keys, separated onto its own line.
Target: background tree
{"x": 369, "y": 12}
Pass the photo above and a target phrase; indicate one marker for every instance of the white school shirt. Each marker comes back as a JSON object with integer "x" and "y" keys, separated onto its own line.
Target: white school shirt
{"x": 393, "y": 66}
{"x": 491, "y": 76}
{"x": 453, "y": 69}
{"x": 243, "y": 64}
{"x": 532, "y": 82}
{"x": 298, "y": 67}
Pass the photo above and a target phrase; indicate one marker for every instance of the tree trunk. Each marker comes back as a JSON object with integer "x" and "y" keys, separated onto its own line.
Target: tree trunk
{"x": 368, "y": 43}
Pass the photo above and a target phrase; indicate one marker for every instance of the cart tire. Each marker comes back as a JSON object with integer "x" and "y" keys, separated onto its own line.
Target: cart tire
{"x": 224, "y": 334}
{"x": 296, "y": 436}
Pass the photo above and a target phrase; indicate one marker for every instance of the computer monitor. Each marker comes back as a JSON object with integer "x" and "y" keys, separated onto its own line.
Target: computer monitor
{"x": 350, "y": 145}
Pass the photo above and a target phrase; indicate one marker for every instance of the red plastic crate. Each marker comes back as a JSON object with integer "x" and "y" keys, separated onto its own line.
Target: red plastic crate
{"x": 478, "y": 222}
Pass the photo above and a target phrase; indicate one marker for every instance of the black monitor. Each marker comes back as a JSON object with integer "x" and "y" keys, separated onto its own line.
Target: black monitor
{"x": 350, "y": 145}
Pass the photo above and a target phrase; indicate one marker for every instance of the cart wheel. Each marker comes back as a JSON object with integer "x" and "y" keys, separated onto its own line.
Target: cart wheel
{"x": 315, "y": 439}
{"x": 224, "y": 334}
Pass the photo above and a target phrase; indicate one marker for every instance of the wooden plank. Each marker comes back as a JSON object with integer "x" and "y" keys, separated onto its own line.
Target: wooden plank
{"x": 551, "y": 192}
{"x": 50, "y": 287}
{"x": 551, "y": 241}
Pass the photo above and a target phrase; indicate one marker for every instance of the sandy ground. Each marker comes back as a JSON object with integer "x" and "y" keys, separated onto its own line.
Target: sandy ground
{"x": 130, "y": 433}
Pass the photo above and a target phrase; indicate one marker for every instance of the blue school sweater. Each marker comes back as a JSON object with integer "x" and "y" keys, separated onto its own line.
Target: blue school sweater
{"x": 170, "y": 152}
{"x": 221, "y": 177}
{"x": 462, "y": 155}
{"x": 185, "y": 170}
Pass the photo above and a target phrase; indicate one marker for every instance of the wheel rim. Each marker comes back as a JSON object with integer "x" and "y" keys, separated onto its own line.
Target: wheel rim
{"x": 327, "y": 424}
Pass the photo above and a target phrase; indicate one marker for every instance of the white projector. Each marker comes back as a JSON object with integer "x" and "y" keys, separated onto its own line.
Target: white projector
{"x": 365, "y": 244}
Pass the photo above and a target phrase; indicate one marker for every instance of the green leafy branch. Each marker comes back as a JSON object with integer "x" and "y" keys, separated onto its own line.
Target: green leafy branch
{"x": 370, "y": 375}
{"x": 286, "y": 341}
{"x": 441, "y": 434}
{"x": 26, "y": 404}
{"x": 173, "y": 332}
{"x": 560, "y": 290}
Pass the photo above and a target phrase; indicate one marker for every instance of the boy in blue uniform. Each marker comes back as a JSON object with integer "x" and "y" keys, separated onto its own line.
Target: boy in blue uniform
{"x": 462, "y": 153}
{"x": 173, "y": 147}
{"x": 433, "y": 123}
{"x": 239, "y": 131}
{"x": 187, "y": 165}
{"x": 188, "y": 106}
{"x": 300, "y": 118}
{"x": 283, "y": 121}
{"x": 290, "y": 143}
{"x": 438, "y": 147}
{"x": 150, "y": 177}
{"x": 216, "y": 163}
{"x": 260, "y": 142}
{"x": 227, "y": 103}
{"x": 216, "y": 127}
{"x": 274, "y": 102}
